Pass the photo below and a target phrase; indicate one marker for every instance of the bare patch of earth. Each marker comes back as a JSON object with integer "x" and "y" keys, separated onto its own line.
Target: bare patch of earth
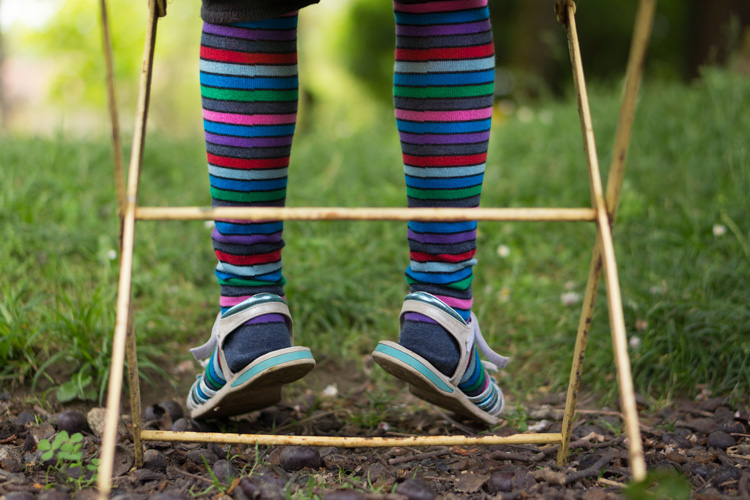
{"x": 696, "y": 448}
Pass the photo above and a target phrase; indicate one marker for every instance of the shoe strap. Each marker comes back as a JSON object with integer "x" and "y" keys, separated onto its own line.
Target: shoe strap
{"x": 257, "y": 305}
{"x": 496, "y": 360}
{"x": 465, "y": 334}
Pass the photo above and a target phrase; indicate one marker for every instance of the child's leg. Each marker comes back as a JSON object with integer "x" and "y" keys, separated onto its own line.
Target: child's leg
{"x": 249, "y": 87}
{"x": 443, "y": 90}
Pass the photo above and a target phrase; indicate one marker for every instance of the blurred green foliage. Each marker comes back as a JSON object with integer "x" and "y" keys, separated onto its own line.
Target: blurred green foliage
{"x": 346, "y": 51}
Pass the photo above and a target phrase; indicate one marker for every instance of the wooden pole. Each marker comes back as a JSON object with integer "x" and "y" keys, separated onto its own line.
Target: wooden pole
{"x": 614, "y": 300}
{"x": 113, "y": 115}
{"x": 641, "y": 35}
{"x": 104, "y": 484}
{"x": 335, "y": 213}
{"x": 347, "y": 442}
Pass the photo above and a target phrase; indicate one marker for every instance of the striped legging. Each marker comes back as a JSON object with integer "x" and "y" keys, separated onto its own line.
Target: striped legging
{"x": 443, "y": 92}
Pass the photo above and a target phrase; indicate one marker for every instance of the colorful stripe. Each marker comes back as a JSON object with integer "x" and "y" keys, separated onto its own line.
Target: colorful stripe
{"x": 249, "y": 89}
{"x": 443, "y": 91}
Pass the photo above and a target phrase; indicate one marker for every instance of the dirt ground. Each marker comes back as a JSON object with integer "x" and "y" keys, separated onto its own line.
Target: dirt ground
{"x": 697, "y": 449}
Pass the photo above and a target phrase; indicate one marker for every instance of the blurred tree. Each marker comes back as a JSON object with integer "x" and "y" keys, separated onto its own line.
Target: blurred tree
{"x": 3, "y": 102}
{"x": 717, "y": 29}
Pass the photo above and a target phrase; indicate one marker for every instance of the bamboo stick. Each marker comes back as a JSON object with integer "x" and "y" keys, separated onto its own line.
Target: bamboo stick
{"x": 375, "y": 213}
{"x": 135, "y": 392}
{"x": 112, "y": 105}
{"x": 584, "y": 323}
{"x": 104, "y": 482}
{"x": 644, "y": 20}
{"x": 641, "y": 34}
{"x": 347, "y": 442}
{"x": 614, "y": 300}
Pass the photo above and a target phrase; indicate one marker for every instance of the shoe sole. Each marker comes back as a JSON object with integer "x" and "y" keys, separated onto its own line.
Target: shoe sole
{"x": 426, "y": 382}
{"x": 258, "y": 385}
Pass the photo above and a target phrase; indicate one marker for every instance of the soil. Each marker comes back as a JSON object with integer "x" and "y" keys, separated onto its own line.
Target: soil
{"x": 700, "y": 448}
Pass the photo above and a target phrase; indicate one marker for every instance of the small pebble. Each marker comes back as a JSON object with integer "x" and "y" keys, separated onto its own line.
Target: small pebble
{"x": 347, "y": 494}
{"x": 172, "y": 495}
{"x": 720, "y": 439}
{"x": 294, "y": 458}
{"x": 154, "y": 412}
{"x": 247, "y": 489}
{"x": 198, "y": 455}
{"x": 224, "y": 471}
{"x": 702, "y": 425}
{"x": 185, "y": 425}
{"x": 257, "y": 488}
{"x": 501, "y": 482}
{"x": 698, "y": 469}
{"x": 96, "y": 417}
{"x": 5, "y": 396}
{"x": 11, "y": 459}
{"x": 724, "y": 473}
{"x": 414, "y": 489}
{"x": 53, "y": 495}
{"x": 376, "y": 471}
{"x": 722, "y": 414}
{"x": 677, "y": 440}
{"x": 145, "y": 475}
{"x": 86, "y": 494}
{"x": 72, "y": 422}
{"x": 711, "y": 404}
{"x": 173, "y": 408}
{"x": 20, "y": 495}
{"x": 24, "y": 418}
{"x": 154, "y": 460}
{"x": 732, "y": 427}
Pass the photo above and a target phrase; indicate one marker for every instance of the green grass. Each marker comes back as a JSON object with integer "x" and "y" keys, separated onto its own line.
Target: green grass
{"x": 685, "y": 291}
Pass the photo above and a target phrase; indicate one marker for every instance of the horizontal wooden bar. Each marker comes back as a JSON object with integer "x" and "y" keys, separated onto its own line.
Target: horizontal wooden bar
{"x": 372, "y": 213}
{"x": 347, "y": 442}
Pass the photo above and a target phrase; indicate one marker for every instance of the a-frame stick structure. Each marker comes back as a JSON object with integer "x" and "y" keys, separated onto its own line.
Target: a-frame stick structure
{"x": 601, "y": 213}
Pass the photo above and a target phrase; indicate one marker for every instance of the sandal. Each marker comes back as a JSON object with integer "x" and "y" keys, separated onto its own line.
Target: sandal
{"x": 256, "y": 386}
{"x": 427, "y": 382}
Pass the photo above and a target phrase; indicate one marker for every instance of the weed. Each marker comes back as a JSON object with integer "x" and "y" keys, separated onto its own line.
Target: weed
{"x": 667, "y": 485}
{"x": 69, "y": 466}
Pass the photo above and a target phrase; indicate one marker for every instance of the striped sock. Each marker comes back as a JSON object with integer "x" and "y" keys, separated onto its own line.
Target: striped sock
{"x": 443, "y": 93}
{"x": 249, "y": 88}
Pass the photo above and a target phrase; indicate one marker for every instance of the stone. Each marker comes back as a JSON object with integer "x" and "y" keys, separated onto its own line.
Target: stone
{"x": 698, "y": 469}
{"x": 72, "y": 422}
{"x": 294, "y": 458}
{"x": 11, "y": 459}
{"x": 96, "y": 418}
{"x": 501, "y": 482}
{"x": 732, "y": 427}
{"x": 198, "y": 455}
{"x": 711, "y": 404}
{"x": 720, "y": 439}
{"x": 22, "y": 420}
{"x": 172, "y": 495}
{"x": 154, "y": 460}
{"x": 20, "y": 495}
{"x": 347, "y": 494}
{"x": 154, "y": 412}
{"x": 173, "y": 408}
{"x": 53, "y": 495}
{"x": 185, "y": 425}
{"x": 224, "y": 471}
{"x": 724, "y": 473}
{"x": 468, "y": 482}
{"x": 722, "y": 414}
{"x": 415, "y": 489}
{"x": 124, "y": 459}
{"x": 675, "y": 439}
{"x": 702, "y": 425}
{"x": 258, "y": 488}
